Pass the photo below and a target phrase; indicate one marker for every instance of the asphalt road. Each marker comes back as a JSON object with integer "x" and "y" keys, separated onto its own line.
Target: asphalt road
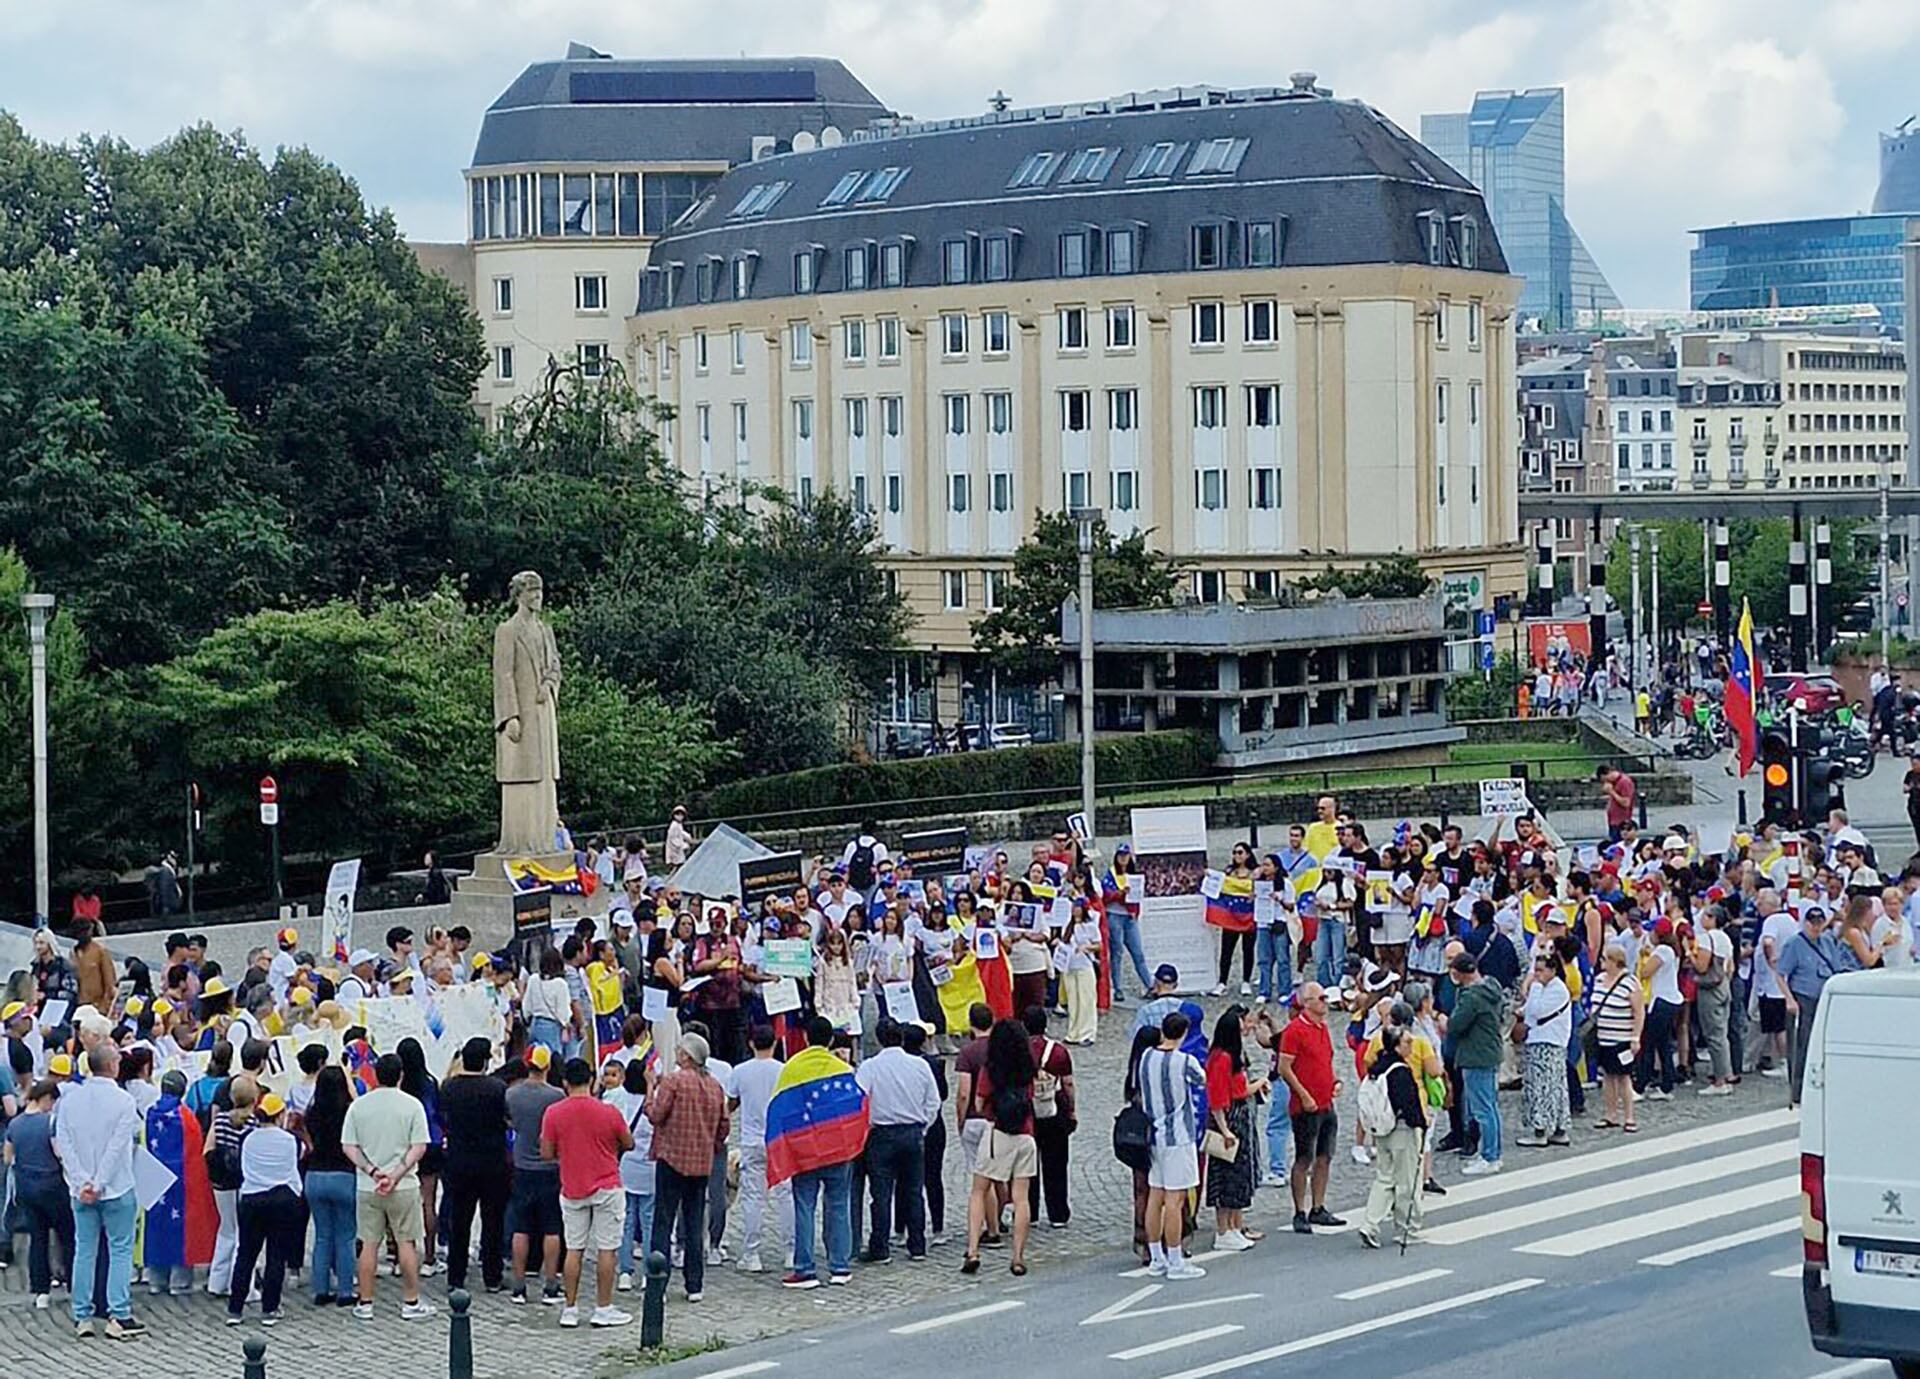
{"x": 1664, "y": 1254}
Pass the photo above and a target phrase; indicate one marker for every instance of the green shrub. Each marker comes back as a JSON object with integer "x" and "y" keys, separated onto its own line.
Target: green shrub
{"x": 989, "y": 779}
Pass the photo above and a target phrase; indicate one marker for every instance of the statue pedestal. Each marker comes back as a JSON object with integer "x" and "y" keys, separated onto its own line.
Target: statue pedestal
{"x": 483, "y": 900}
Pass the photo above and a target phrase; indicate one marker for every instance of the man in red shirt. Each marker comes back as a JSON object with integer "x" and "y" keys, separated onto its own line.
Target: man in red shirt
{"x": 588, "y": 1137}
{"x": 1621, "y": 793}
{"x": 1306, "y": 1065}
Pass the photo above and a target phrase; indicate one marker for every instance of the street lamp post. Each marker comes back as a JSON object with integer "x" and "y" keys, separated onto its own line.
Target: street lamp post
{"x": 1633, "y": 549}
{"x": 1653, "y": 611}
{"x": 1886, "y": 591}
{"x": 1086, "y": 518}
{"x": 39, "y": 608}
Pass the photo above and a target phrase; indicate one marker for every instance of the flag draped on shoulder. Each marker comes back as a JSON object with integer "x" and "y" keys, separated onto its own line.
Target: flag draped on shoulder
{"x": 817, "y": 1117}
{"x": 181, "y": 1226}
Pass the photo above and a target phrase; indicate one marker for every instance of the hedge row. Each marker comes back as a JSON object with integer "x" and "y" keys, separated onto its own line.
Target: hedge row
{"x": 1180, "y": 755}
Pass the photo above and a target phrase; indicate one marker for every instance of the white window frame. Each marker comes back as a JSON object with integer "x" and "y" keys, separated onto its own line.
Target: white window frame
{"x": 1208, "y": 310}
{"x": 594, "y": 356}
{"x": 1076, "y": 411}
{"x": 503, "y": 363}
{"x": 999, "y": 413}
{"x": 799, "y": 344}
{"x": 1000, "y": 491}
{"x": 856, "y": 418}
{"x": 1130, "y": 500}
{"x": 699, "y": 351}
{"x": 737, "y": 347}
{"x": 957, "y": 414}
{"x": 1123, "y": 409}
{"x": 803, "y": 418}
{"x": 1073, "y": 329}
{"x": 853, "y": 340}
{"x": 953, "y": 590}
{"x": 1211, "y": 476}
{"x": 1209, "y": 406}
{"x": 1120, "y": 315}
{"x": 996, "y": 333}
{"x": 959, "y": 492}
{"x": 503, "y": 296}
{"x": 1252, "y": 311}
{"x": 590, "y": 294}
{"x": 953, "y": 335}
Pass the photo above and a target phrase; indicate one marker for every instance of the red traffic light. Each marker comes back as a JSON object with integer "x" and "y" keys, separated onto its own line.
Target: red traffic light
{"x": 269, "y": 790}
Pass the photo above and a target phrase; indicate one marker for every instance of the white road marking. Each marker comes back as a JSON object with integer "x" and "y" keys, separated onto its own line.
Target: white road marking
{"x": 1857, "y": 1367}
{"x": 1609, "y": 1233}
{"x": 757, "y": 1367}
{"x": 955, "y": 1318}
{"x": 1611, "y": 1194}
{"x": 1725, "y": 1242}
{"x": 1389, "y": 1285}
{"x": 1344, "y": 1333}
{"x": 1144, "y": 1272}
{"x": 1124, "y": 1310}
{"x": 1636, "y": 1152}
{"x": 1174, "y": 1342}
{"x": 1108, "y": 1313}
{"x": 1791, "y": 1271}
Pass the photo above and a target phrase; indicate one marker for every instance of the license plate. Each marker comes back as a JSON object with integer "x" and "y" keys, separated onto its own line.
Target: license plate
{"x": 1898, "y": 1265}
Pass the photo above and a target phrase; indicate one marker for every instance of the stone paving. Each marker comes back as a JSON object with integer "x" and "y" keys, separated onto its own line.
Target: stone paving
{"x": 509, "y": 1340}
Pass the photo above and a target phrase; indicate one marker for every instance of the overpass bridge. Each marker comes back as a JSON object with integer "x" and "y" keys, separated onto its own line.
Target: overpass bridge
{"x": 1719, "y": 504}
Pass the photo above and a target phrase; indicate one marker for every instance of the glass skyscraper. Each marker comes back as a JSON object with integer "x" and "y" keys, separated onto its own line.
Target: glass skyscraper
{"x": 1844, "y": 261}
{"x": 1512, "y": 146}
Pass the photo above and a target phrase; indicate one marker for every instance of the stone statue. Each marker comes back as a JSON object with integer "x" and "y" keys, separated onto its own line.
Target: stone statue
{"x": 526, "y": 726}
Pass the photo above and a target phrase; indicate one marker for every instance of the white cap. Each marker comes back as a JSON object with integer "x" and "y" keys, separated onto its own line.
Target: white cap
{"x": 359, "y": 956}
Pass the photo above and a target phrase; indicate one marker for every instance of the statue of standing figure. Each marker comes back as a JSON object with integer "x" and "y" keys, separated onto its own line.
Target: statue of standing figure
{"x": 526, "y": 725}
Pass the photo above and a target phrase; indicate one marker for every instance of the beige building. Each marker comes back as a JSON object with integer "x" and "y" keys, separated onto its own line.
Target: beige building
{"x": 1267, "y": 328}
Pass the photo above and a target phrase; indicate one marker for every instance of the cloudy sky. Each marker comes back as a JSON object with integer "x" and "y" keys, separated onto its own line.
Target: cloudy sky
{"x": 1679, "y": 115}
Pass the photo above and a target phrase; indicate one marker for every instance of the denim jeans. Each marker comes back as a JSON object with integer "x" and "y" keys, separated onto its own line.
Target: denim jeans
{"x": 115, "y": 1216}
{"x": 896, "y": 1154}
{"x": 1483, "y": 1106}
{"x": 544, "y": 1029}
{"x": 1279, "y": 1130}
{"x": 836, "y": 1181}
{"x": 1330, "y": 951}
{"x": 330, "y": 1198}
{"x": 639, "y": 1227}
{"x": 1124, "y": 929}
{"x": 1273, "y": 957}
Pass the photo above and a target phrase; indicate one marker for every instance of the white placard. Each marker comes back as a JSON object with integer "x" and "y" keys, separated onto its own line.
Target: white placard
{"x": 1266, "y": 913}
{"x": 1212, "y": 884}
{"x": 1061, "y": 914}
{"x": 1077, "y": 826}
{"x": 389, "y": 1019}
{"x": 336, "y": 919}
{"x": 53, "y": 1014}
{"x": 1503, "y": 797}
{"x": 780, "y": 995}
{"x": 653, "y": 1002}
{"x": 152, "y": 1179}
{"x": 1136, "y": 888}
{"x": 986, "y": 943}
{"x": 900, "y": 1003}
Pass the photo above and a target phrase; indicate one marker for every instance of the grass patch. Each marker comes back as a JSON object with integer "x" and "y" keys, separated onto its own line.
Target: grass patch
{"x": 627, "y": 1359}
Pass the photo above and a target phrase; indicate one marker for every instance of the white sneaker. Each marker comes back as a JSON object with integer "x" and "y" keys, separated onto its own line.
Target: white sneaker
{"x": 1480, "y": 1167}
{"x": 1274, "y": 1179}
{"x": 610, "y": 1316}
{"x": 624, "y": 1283}
{"x": 1773, "y": 1072}
{"x": 1259, "y": 1000}
{"x": 1187, "y": 1270}
{"x": 719, "y": 1254}
{"x": 1722, "y": 1090}
{"x": 1246, "y": 988}
{"x": 418, "y": 1310}
{"x": 1156, "y": 1268}
{"x": 751, "y": 1264}
{"x": 1657, "y": 1094}
{"x": 1362, "y": 1155}
{"x": 42, "y": 1302}
{"x": 1219, "y": 990}
{"x": 569, "y": 1316}
{"x": 939, "y": 1238}
{"x": 1231, "y": 1240}
{"x": 428, "y": 1268}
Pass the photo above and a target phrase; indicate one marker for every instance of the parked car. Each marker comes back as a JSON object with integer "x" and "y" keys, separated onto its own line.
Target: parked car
{"x": 1011, "y": 735}
{"x": 1813, "y": 693}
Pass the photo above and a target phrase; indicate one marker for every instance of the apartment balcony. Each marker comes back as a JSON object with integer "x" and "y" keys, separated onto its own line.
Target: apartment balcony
{"x": 1770, "y": 442}
{"x": 1701, "y": 445}
{"x": 1737, "y": 475}
{"x": 1701, "y": 478}
{"x": 1737, "y": 445}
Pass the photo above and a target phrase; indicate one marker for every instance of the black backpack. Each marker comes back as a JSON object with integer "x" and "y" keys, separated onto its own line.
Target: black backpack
{"x": 860, "y": 867}
{"x": 1012, "y": 1109}
{"x": 1133, "y": 1137}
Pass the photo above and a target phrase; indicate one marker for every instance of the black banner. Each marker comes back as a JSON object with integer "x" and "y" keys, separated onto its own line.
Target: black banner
{"x": 533, "y": 909}
{"x": 937, "y": 853}
{"x": 761, "y": 877}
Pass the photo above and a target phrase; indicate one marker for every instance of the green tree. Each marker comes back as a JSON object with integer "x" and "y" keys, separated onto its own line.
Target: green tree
{"x": 1022, "y": 636}
{"x": 1395, "y": 577}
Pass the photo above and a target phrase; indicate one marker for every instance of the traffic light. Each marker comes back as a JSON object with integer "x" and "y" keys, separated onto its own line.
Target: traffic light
{"x": 1823, "y": 786}
{"x": 1777, "y": 802}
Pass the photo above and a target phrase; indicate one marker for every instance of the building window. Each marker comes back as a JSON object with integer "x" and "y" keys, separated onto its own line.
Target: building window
{"x": 1125, "y": 485}
{"x": 953, "y": 585}
{"x": 999, "y": 413}
{"x": 699, "y": 351}
{"x": 1646, "y": 421}
{"x": 1263, "y": 405}
{"x": 997, "y": 583}
{"x": 853, "y": 335}
{"x": 895, "y": 486}
{"x": 893, "y": 265}
{"x": 1466, "y": 235}
{"x": 1626, "y": 457}
{"x": 803, "y": 418}
{"x": 889, "y": 337}
{"x": 1263, "y": 322}
{"x": 882, "y": 185}
{"x": 959, "y": 492}
{"x": 1073, "y": 328}
{"x": 1473, "y": 324}
{"x": 1263, "y": 488}
{"x": 1073, "y": 254}
{"x": 953, "y": 261}
{"x": 1210, "y": 489}
{"x": 803, "y": 271}
{"x": 1433, "y": 229}
{"x": 1666, "y": 454}
{"x": 1090, "y": 165}
{"x": 737, "y": 344}
{"x": 1207, "y": 329}
{"x": 1208, "y": 246}
{"x": 856, "y": 268}
{"x": 743, "y": 266}
{"x": 858, "y": 493}
{"x": 1216, "y": 155}
{"x": 997, "y": 256}
{"x": 590, "y": 292}
{"x": 1000, "y": 491}
{"x": 1473, "y": 404}
{"x": 1157, "y": 160}
{"x": 703, "y": 423}
{"x": 576, "y": 208}
{"x": 503, "y": 296}
{"x": 665, "y": 353}
{"x": 1441, "y": 310}
{"x": 844, "y": 189}
{"x": 956, "y": 414}
{"x": 1120, "y": 327}
{"x": 993, "y": 329}
{"x": 1075, "y": 489}
{"x": 890, "y": 410}
{"x": 1034, "y": 170}
{"x": 1209, "y": 408}
{"x": 1120, "y": 257}
{"x": 1666, "y": 421}
{"x": 800, "y": 344}
{"x": 1263, "y": 244}
{"x": 857, "y": 418}
{"x": 1123, "y": 409}
{"x": 740, "y": 423}
{"x": 593, "y": 359}
{"x": 1075, "y": 411}
{"x": 503, "y": 363}
{"x": 953, "y": 335}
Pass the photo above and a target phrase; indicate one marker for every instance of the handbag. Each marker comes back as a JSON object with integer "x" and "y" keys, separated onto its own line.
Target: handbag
{"x": 1520, "y": 1022}
{"x": 1133, "y": 1137}
{"x": 1221, "y": 1146}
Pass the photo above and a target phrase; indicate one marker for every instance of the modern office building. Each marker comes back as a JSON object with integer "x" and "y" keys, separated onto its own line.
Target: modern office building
{"x": 582, "y": 163}
{"x": 1512, "y": 145}
{"x": 1267, "y": 328}
{"x": 1899, "y": 189}
{"x": 1774, "y": 271}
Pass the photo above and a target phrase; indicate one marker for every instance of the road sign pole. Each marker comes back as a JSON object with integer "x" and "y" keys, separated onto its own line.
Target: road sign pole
{"x": 270, "y": 816}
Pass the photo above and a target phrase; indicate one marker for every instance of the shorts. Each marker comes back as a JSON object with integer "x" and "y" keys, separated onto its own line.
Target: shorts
{"x": 533, "y": 1207}
{"x": 1003, "y": 1157}
{"x": 596, "y": 1222}
{"x": 1315, "y": 1133}
{"x": 971, "y": 1134}
{"x": 399, "y": 1212}
{"x": 1174, "y": 1167}
{"x": 1616, "y": 1060}
{"x": 1773, "y": 1015}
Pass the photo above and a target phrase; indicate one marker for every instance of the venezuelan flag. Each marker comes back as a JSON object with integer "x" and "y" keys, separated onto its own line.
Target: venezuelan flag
{"x": 817, "y": 1117}
{"x": 1739, "y": 700}
{"x": 528, "y": 875}
{"x": 1232, "y": 909}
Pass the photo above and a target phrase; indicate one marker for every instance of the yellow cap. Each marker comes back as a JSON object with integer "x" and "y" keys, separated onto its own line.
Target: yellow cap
{"x": 12, "y": 1009}
{"x": 481, "y": 960}
{"x": 60, "y": 1065}
{"x": 540, "y": 1056}
{"x": 272, "y": 1105}
{"x": 215, "y": 987}
{"x": 162, "y": 1006}
{"x": 135, "y": 1004}
{"x": 300, "y": 996}
{"x": 289, "y": 936}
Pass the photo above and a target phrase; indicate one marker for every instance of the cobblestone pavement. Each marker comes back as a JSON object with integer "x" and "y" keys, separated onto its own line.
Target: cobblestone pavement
{"x": 190, "y": 1332}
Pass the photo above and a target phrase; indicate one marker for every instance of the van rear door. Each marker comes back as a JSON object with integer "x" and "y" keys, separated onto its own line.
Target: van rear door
{"x": 1871, "y": 1103}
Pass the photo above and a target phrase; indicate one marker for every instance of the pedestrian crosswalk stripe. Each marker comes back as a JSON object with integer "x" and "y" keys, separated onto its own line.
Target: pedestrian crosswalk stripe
{"x": 738, "y": 1371}
{"x": 966, "y": 1314}
{"x": 1703, "y": 1209}
{"x": 1175, "y": 1342}
{"x": 1634, "y": 1153}
{"x": 1725, "y": 1242}
{"x": 1791, "y": 1271}
{"x": 1391, "y": 1284}
{"x": 1610, "y": 1194}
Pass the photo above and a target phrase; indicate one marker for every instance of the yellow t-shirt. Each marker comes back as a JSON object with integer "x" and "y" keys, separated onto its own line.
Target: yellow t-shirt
{"x": 1423, "y": 1057}
{"x": 603, "y": 985}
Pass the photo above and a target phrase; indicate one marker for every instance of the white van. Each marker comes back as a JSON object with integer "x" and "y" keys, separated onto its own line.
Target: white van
{"x": 1860, "y": 1169}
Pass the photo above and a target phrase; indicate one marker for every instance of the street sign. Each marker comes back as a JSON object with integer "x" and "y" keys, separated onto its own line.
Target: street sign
{"x": 1486, "y": 655}
{"x": 1704, "y": 609}
{"x": 269, "y": 790}
{"x": 269, "y": 813}
{"x": 1483, "y": 623}
{"x": 1900, "y": 600}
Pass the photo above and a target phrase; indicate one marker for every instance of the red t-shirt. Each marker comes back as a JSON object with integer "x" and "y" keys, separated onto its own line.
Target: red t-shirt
{"x": 1620, "y": 813}
{"x": 1310, "y": 1045}
{"x": 1224, "y": 1085}
{"x": 586, "y": 1135}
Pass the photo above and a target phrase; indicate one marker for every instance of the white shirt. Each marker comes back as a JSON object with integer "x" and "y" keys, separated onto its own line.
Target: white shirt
{"x": 1779, "y": 929}
{"x": 1718, "y": 942}
{"x": 269, "y": 1158}
{"x": 1549, "y": 1014}
{"x": 900, "y": 1088}
{"x": 636, "y": 1165}
{"x": 94, "y": 1129}
{"x": 752, "y": 1086}
{"x": 1666, "y": 975}
{"x": 547, "y": 996}
{"x": 280, "y": 975}
{"x": 1901, "y": 954}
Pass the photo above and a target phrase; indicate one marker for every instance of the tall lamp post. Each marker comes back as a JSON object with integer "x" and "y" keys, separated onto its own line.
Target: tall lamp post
{"x": 1085, "y": 518}
{"x": 39, "y": 608}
